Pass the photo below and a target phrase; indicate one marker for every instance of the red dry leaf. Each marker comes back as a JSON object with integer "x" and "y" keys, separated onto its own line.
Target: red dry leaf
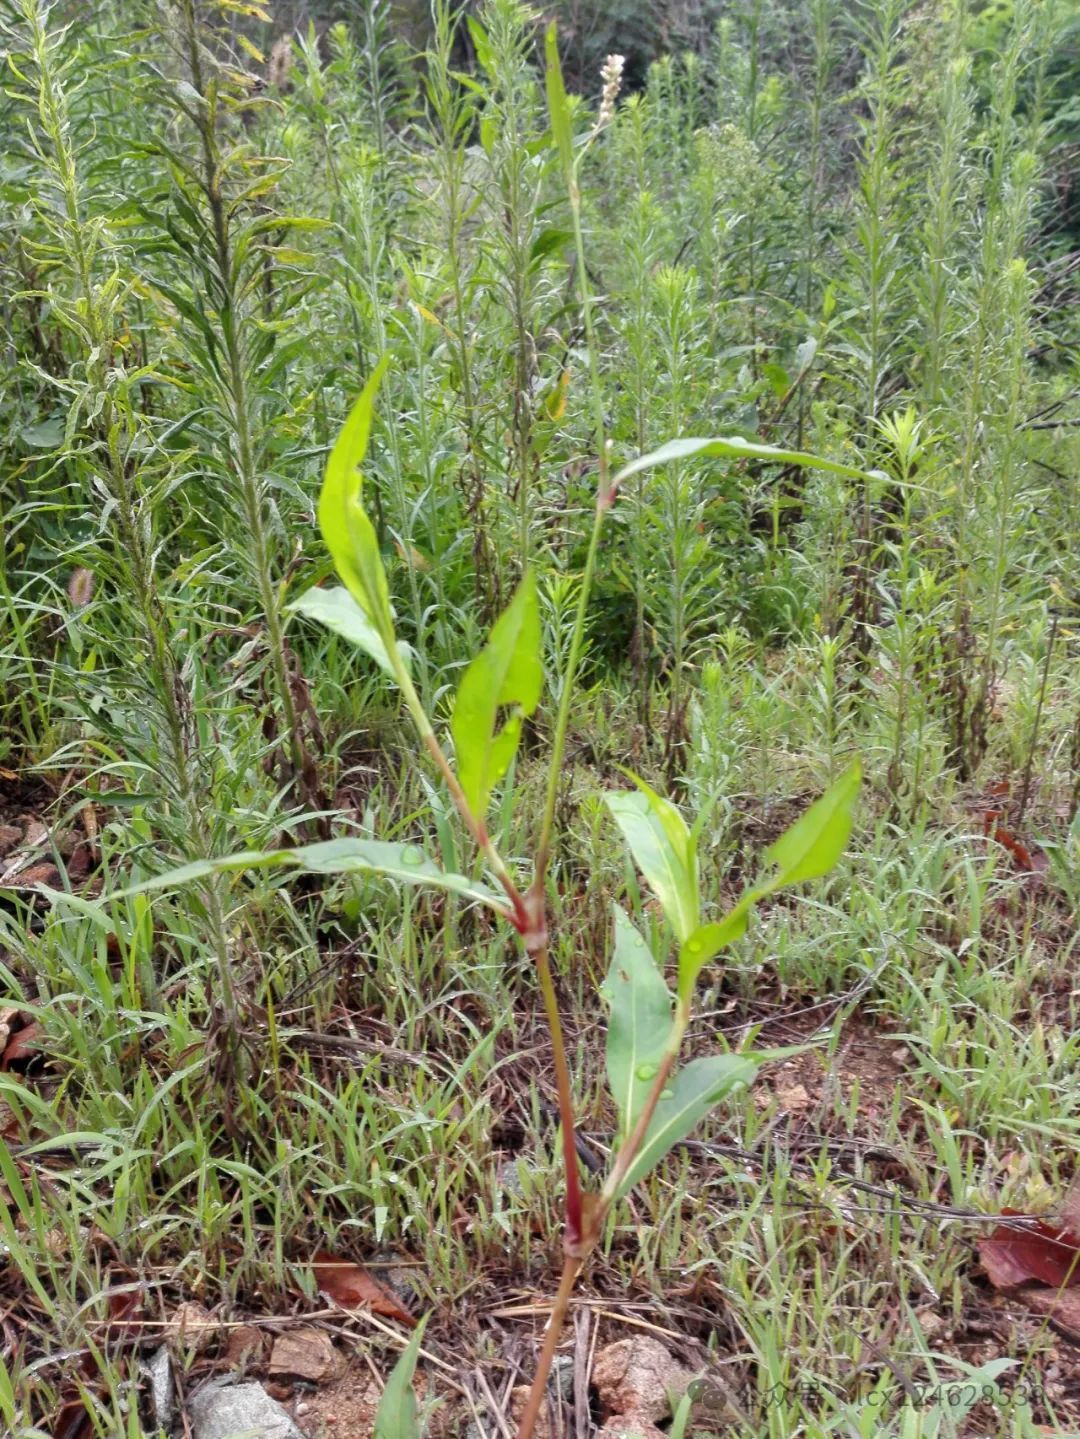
{"x": 1020, "y": 852}
{"x": 1041, "y": 1251}
{"x": 351, "y": 1286}
{"x": 124, "y": 1303}
{"x": 22, "y": 1045}
{"x": 1061, "y": 1307}
{"x": 72, "y": 1421}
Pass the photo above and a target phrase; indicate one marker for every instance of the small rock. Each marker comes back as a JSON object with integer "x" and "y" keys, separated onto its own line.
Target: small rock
{"x": 635, "y": 1378}
{"x": 508, "y": 1178}
{"x": 221, "y": 1410}
{"x": 628, "y": 1426}
{"x": 562, "y": 1375}
{"x": 931, "y": 1323}
{"x": 519, "y": 1397}
{"x": 42, "y": 873}
{"x": 304, "y": 1354}
{"x": 793, "y": 1098}
{"x": 158, "y": 1370}
{"x": 192, "y": 1327}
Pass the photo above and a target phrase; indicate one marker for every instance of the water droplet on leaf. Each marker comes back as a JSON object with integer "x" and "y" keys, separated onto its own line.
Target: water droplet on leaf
{"x": 646, "y": 1072}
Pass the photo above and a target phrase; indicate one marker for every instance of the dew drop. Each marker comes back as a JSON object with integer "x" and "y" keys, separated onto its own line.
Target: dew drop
{"x": 693, "y": 946}
{"x": 667, "y": 1094}
{"x": 412, "y": 855}
{"x": 646, "y": 1072}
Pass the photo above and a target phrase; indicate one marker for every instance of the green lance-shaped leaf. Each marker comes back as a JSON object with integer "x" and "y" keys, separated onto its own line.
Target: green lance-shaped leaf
{"x": 734, "y": 447}
{"x": 406, "y": 863}
{"x": 639, "y": 1029}
{"x": 706, "y": 942}
{"x": 693, "y": 1091}
{"x": 558, "y": 104}
{"x": 339, "y": 611}
{"x": 349, "y": 534}
{"x": 396, "y": 1418}
{"x": 508, "y": 671}
{"x": 816, "y": 840}
{"x": 809, "y": 849}
{"x": 663, "y": 849}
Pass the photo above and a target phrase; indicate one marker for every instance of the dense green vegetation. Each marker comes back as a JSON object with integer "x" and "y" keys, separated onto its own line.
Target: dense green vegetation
{"x": 835, "y": 229}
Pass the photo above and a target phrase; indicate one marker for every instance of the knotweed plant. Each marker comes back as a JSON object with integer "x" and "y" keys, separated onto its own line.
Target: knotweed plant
{"x": 658, "y": 1100}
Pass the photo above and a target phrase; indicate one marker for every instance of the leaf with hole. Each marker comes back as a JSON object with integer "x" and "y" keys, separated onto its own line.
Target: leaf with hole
{"x": 663, "y": 849}
{"x": 507, "y": 672}
{"x": 639, "y": 1028}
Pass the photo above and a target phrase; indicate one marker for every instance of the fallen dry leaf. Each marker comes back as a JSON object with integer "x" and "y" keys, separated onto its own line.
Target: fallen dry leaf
{"x": 1012, "y": 1257}
{"x": 22, "y": 1044}
{"x": 124, "y": 1302}
{"x": 1061, "y": 1307}
{"x": 72, "y": 1421}
{"x": 351, "y": 1286}
{"x": 1029, "y": 859}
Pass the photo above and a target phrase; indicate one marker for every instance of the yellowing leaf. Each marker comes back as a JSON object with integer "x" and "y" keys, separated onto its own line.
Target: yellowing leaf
{"x": 555, "y": 403}
{"x": 412, "y": 557}
{"x": 252, "y": 49}
{"x": 428, "y": 315}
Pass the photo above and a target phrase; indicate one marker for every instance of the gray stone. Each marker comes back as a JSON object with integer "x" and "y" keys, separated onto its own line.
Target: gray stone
{"x": 158, "y": 1369}
{"x": 508, "y": 1178}
{"x": 221, "y": 1410}
{"x": 562, "y": 1375}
